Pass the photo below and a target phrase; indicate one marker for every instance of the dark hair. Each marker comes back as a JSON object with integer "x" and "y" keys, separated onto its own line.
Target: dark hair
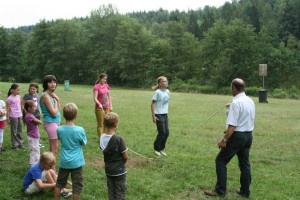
{"x": 28, "y": 104}
{"x": 12, "y": 87}
{"x": 34, "y": 85}
{"x": 47, "y": 79}
{"x": 239, "y": 84}
{"x": 100, "y": 77}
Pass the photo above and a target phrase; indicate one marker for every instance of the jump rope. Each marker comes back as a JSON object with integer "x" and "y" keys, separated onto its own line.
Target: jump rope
{"x": 142, "y": 156}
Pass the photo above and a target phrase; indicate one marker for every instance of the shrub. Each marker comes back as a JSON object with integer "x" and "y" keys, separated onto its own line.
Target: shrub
{"x": 279, "y": 93}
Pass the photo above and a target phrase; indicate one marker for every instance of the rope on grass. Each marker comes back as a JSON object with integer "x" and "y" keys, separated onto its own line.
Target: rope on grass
{"x": 210, "y": 117}
{"x": 139, "y": 154}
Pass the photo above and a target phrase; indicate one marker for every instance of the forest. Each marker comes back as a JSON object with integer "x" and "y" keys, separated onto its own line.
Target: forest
{"x": 207, "y": 46}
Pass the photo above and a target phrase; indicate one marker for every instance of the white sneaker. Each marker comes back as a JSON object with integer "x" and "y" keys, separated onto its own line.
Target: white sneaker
{"x": 157, "y": 153}
{"x": 163, "y": 153}
{"x": 41, "y": 146}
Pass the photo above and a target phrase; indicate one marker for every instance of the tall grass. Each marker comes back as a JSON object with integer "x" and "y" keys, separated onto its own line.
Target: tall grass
{"x": 189, "y": 167}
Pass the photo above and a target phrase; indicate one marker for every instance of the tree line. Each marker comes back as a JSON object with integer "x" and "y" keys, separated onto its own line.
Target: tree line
{"x": 206, "y": 46}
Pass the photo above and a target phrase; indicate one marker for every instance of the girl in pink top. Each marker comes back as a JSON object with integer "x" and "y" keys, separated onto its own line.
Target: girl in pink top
{"x": 102, "y": 101}
{"x": 14, "y": 115}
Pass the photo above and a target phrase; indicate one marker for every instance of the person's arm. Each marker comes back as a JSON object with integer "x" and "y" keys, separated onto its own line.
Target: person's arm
{"x": 37, "y": 121}
{"x": 7, "y": 113}
{"x": 110, "y": 102}
{"x": 96, "y": 99}
{"x": 23, "y": 104}
{"x": 125, "y": 156}
{"x": 227, "y": 135}
{"x": 42, "y": 185}
{"x": 52, "y": 109}
{"x": 55, "y": 97}
{"x": 154, "y": 118}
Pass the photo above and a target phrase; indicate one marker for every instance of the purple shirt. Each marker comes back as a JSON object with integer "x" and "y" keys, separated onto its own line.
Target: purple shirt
{"x": 32, "y": 128}
{"x": 14, "y": 103}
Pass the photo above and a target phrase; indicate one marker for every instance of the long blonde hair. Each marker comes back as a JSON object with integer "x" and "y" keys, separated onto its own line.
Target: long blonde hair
{"x": 158, "y": 80}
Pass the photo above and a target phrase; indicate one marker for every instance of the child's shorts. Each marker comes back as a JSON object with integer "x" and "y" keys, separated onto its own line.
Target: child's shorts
{"x": 33, "y": 187}
{"x": 2, "y": 124}
{"x": 51, "y": 130}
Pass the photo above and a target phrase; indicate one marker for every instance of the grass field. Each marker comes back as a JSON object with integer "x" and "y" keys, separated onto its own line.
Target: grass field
{"x": 189, "y": 167}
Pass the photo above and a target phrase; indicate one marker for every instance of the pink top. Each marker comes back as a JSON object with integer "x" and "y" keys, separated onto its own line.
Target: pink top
{"x": 14, "y": 103}
{"x": 103, "y": 95}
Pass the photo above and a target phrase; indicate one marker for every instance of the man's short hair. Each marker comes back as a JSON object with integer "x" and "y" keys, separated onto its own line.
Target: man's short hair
{"x": 239, "y": 84}
{"x": 70, "y": 111}
{"x": 48, "y": 158}
{"x": 110, "y": 120}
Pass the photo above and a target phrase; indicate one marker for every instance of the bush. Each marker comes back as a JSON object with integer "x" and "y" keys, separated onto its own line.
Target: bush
{"x": 293, "y": 92}
{"x": 279, "y": 93}
{"x": 252, "y": 91}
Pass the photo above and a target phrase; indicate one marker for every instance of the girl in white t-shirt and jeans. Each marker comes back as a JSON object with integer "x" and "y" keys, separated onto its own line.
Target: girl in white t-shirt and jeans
{"x": 159, "y": 110}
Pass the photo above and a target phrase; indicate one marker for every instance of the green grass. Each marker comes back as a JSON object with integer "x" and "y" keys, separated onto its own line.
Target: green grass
{"x": 189, "y": 167}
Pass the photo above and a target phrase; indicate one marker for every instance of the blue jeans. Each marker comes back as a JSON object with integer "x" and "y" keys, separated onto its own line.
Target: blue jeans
{"x": 163, "y": 132}
{"x": 238, "y": 144}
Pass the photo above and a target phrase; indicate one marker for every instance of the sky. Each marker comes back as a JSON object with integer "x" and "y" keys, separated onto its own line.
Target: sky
{"x": 15, "y": 13}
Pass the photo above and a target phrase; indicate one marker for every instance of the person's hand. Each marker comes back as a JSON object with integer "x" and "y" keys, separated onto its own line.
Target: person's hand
{"x": 221, "y": 144}
{"x": 100, "y": 105}
{"x": 54, "y": 96}
{"x": 227, "y": 105}
{"x": 154, "y": 119}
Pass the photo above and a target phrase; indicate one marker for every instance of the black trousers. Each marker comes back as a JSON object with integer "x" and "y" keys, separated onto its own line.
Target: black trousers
{"x": 163, "y": 132}
{"x": 238, "y": 144}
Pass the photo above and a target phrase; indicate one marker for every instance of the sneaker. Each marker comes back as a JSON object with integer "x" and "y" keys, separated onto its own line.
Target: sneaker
{"x": 163, "y": 153}
{"x": 2, "y": 149}
{"x": 157, "y": 153}
{"x": 41, "y": 146}
{"x": 65, "y": 194}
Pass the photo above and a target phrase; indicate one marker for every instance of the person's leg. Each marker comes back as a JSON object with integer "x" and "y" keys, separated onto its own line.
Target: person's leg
{"x": 233, "y": 145}
{"x": 244, "y": 165}
{"x": 161, "y": 133}
{"x": 51, "y": 176}
{"x": 99, "y": 117}
{"x": 61, "y": 181}
{"x": 106, "y": 110}
{"x": 166, "y": 132}
{"x": 56, "y": 193}
{"x": 77, "y": 182}
{"x": 19, "y": 131}
{"x": 1, "y": 137}
{"x": 52, "y": 136}
{"x": 111, "y": 188}
{"x": 53, "y": 146}
{"x": 34, "y": 150}
{"x": 13, "y": 132}
{"x": 120, "y": 187}
{"x": 33, "y": 188}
